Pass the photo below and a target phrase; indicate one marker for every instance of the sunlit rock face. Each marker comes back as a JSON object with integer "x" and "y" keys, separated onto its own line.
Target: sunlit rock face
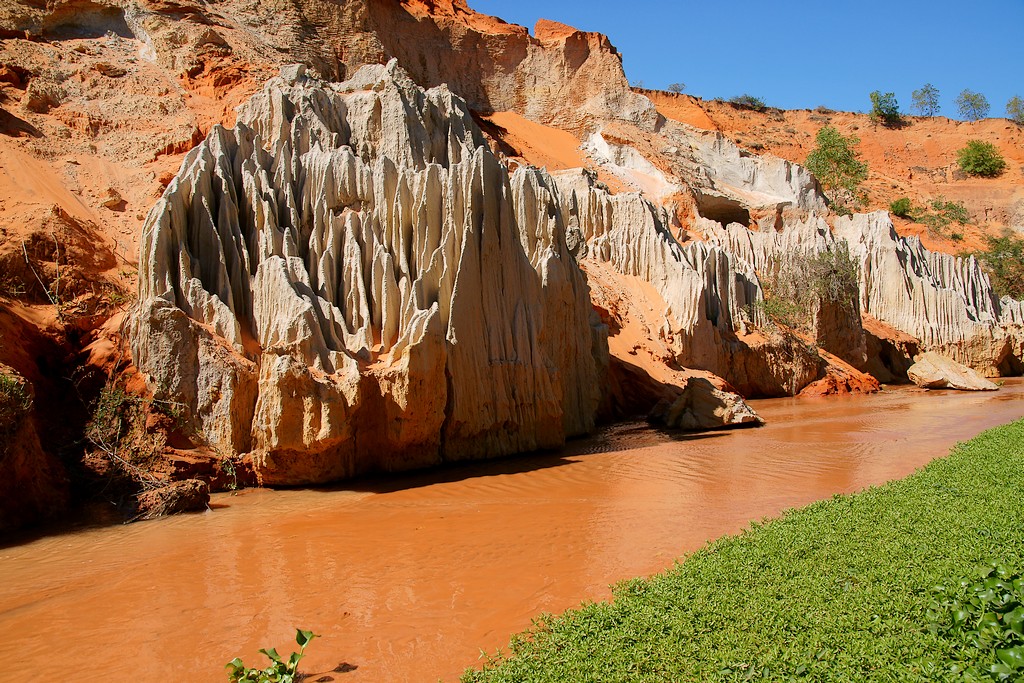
{"x": 348, "y": 280}
{"x": 945, "y": 302}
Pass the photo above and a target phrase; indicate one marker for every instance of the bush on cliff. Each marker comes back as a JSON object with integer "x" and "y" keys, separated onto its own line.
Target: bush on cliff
{"x": 15, "y": 402}
{"x": 901, "y": 207}
{"x": 980, "y": 158}
{"x": 842, "y": 590}
{"x": 1003, "y": 260}
{"x": 748, "y": 102}
{"x": 885, "y": 109}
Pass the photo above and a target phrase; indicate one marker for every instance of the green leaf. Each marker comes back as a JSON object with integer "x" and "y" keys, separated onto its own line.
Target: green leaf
{"x": 1015, "y": 620}
{"x": 272, "y": 654}
{"x": 303, "y": 637}
{"x": 1000, "y": 669}
{"x": 1012, "y": 657}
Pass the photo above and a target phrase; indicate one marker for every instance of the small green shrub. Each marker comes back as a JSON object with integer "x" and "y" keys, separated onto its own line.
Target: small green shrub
{"x": 980, "y": 158}
{"x": 937, "y": 214}
{"x": 901, "y": 207}
{"x": 954, "y": 212}
{"x": 885, "y": 109}
{"x": 15, "y": 402}
{"x": 749, "y": 102}
{"x": 279, "y": 671}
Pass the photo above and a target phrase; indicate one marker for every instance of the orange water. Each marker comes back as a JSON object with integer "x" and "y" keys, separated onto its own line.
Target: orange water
{"x": 407, "y": 580}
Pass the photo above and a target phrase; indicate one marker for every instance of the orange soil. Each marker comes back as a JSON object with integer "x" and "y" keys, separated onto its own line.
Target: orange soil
{"x": 460, "y": 12}
{"x": 916, "y": 161}
{"x": 544, "y": 146}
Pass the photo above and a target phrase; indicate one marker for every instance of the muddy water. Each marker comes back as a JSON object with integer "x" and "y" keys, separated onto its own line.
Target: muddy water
{"x": 408, "y": 580}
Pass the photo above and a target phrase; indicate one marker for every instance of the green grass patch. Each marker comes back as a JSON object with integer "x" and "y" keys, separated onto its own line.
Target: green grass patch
{"x": 866, "y": 587}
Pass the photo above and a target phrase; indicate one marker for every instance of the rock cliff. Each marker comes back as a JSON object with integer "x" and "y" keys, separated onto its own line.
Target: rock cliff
{"x": 349, "y": 281}
{"x": 945, "y": 303}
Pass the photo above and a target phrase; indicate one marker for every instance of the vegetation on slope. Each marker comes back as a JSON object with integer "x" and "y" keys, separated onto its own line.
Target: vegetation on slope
{"x": 1003, "y": 260}
{"x": 855, "y": 588}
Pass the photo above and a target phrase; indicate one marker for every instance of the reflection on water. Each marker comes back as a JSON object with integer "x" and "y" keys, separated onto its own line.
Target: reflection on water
{"x": 407, "y": 579}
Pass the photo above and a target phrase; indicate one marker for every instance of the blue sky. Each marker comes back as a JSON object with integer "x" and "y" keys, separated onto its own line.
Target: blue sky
{"x": 802, "y": 54}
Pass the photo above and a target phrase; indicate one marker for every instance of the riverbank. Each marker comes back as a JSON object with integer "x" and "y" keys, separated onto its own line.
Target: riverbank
{"x": 837, "y": 591}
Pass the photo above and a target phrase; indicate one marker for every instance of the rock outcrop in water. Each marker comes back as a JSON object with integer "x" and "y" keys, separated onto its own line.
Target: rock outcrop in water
{"x": 933, "y": 371}
{"x": 350, "y": 281}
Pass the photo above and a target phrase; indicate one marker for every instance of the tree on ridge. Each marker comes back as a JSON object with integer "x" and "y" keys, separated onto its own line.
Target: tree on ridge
{"x": 926, "y": 100}
{"x": 972, "y": 105}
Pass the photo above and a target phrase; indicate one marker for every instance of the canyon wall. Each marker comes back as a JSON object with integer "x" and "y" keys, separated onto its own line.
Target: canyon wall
{"x": 946, "y": 303}
{"x": 343, "y": 275}
{"x": 349, "y": 281}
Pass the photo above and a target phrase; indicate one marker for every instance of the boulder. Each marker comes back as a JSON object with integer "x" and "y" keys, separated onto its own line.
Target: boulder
{"x": 190, "y": 495}
{"x": 702, "y": 406}
{"x": 933, "y": 371}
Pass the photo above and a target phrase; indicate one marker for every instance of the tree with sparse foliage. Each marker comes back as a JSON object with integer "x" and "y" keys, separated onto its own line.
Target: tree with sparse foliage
{"x": 676, "y": 88}
{"x": 981, "y": 159}
{"x": 1015, "y": 110}
{"x": 885, "y": 109}
{"x": 926, "y": 100}
{"x": 838, "y": 168}
{"x": 972, "y": 105}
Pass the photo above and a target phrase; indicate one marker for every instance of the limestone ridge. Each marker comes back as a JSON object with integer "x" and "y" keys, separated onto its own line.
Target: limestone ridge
{"x": 946, "y": 302}
{"x": 349, "y": 280}
{"x": 707, "y": 290}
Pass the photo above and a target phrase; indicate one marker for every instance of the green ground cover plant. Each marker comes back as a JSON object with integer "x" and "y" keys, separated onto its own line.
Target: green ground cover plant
{"x": 937, "y": 214}
{"x": 865, "y": 587}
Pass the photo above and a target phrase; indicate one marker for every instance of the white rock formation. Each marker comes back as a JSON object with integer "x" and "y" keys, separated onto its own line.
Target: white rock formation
{"x": 945, "y": 302}
{"x": 348, "y": 280}
{"x": 755, "y": 181}
{"x": 707, "y": 291}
